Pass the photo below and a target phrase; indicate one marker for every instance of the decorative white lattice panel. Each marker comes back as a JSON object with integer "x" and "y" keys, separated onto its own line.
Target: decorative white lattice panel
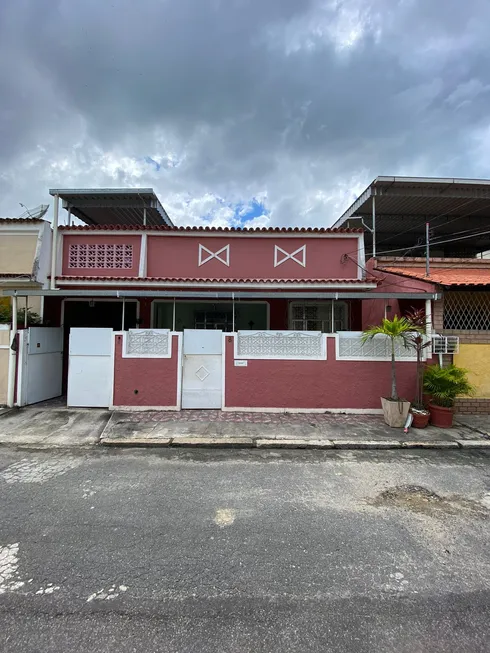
{"x": 351, "y": 347}
{"x": 467, "y": 311}
{"x": 100, "y": 257}
{"x": 282, "y": 345}
{"x": 445, "y": 344}
{"x": 147, "y": 343}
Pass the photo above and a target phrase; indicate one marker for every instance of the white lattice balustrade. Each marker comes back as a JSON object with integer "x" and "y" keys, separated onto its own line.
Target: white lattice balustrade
{"x": 351, "y": 347}
{"x": 286, "y": 345}
{"x": 148, "y": 343}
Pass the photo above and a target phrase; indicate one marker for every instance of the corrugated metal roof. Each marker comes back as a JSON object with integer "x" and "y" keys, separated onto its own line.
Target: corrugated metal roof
{"x": 456, "y": 209}
{"x": 110, "y": 206}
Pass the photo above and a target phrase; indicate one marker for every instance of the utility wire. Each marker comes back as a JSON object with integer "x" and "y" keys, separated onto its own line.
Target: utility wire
{"x": 432, "y": 242}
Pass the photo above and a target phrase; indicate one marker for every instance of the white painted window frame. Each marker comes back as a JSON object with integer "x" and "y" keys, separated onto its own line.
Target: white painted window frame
{"x": 312, "y": 302}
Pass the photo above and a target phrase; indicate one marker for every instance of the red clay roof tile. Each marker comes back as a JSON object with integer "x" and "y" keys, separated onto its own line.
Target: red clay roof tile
{"x": 218, "y": 230}
{"x": 445, "y": 276}
{"x": 135, "y": 280}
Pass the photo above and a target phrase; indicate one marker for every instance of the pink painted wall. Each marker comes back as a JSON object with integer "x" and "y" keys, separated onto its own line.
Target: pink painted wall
{"x": 155, "y": 379}
{"x": 112, "y": 239}
{"x": 251, "y": 257}
{"x": 313, "y": 384}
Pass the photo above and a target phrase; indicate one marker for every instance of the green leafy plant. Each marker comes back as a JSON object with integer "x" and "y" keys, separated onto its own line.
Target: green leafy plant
{"x": 6, "y": 316}
{"x": 399, "y": 329}
{"x": 444, "y": 384}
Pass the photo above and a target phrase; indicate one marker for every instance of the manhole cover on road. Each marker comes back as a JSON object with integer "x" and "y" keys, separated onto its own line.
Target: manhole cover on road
{"x": 422, "y": 500}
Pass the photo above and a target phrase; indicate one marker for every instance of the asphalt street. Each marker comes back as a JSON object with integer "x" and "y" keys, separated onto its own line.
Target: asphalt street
{"x": 238, "y": 551}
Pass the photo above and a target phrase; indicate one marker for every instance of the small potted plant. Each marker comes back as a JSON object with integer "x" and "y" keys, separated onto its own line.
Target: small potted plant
{"x": 444, "y": 384}
{"x": 418, "y": 320}
{"x": 399, "y": 329}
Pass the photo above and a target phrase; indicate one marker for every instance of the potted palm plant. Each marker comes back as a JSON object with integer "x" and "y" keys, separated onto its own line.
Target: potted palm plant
{"x": 399, "y": 329}
{"x": 419, "y": 341}
{"x": 444, "y": 384}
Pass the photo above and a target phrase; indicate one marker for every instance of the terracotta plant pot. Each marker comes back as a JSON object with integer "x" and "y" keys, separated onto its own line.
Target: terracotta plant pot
{"x": 395, "y": 412}
{"x": 420, "y": 420}
{"x": 441, "y": 416}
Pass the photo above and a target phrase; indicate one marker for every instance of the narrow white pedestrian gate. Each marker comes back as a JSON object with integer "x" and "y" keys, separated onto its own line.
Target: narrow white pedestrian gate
{"x": 40, "y": 366}
{"x": 202, "y": 383}
{"x": 90, "y": 367}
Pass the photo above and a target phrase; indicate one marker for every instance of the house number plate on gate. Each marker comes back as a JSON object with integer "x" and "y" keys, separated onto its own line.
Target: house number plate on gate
{"x": 241, "y": 363}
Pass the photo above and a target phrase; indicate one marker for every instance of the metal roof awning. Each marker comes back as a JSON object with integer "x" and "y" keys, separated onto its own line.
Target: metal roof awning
{"x": 227, "y": 294}
{"x": 110, "y": 206}
{"x": 457, "y": 210}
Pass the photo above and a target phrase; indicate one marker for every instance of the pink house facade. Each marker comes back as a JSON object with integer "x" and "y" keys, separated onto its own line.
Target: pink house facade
{"x": 252, "y": 320}
{"x": 145, "y": 315}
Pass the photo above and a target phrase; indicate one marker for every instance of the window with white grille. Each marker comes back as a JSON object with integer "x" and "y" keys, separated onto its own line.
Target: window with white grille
{"x": 467, "y": 311}
{"x": 101, "y": 257}
{"x": 328, "y": 317}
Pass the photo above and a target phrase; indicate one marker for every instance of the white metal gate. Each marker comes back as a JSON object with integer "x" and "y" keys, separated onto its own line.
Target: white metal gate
{"x": 202, "y": 383}
{"x": 40, "y": 364}
{"x": 90, "y": 367}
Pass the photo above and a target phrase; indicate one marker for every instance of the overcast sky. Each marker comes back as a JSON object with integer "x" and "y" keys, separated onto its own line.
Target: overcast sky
{"x": 248, "y": 112}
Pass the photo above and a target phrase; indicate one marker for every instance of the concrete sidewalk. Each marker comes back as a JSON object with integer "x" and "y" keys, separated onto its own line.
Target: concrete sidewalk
{"x": 280, "y": 431}
{"x": 43, "y": 427}
{"x": 53, "y": 425}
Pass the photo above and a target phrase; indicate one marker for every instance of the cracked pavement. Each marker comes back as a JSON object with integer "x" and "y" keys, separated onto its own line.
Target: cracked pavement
{"x": 264, "y": 551}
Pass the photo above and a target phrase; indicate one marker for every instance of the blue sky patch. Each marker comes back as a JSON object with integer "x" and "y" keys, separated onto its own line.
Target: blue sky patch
{"x": 153, "y": 163}
{"x": 246, "y": 211}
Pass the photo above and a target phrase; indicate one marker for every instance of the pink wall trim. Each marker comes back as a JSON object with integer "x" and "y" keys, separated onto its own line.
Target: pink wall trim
{"x": 112, "y": 239}
{"x": 251, "y": 258}
{"x": 329, "y": 384}
{"x": 155, "y": 379}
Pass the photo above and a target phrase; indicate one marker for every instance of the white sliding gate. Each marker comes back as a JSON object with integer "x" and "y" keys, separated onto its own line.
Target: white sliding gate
{"x": 202, "y": 384}
{"x": 40, "y": 364}
{"x": 91, "y": 368}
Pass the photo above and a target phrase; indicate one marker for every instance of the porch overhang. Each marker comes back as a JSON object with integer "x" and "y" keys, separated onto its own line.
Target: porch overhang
{"x": 235, "y": 285}
{"x": 222, "y": 294}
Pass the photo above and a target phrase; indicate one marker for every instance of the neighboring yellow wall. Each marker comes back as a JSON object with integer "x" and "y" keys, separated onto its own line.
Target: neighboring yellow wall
{"x": 4, "y": 365}
{"x": 476, "y": 359}
{"x": 17, "y": 253}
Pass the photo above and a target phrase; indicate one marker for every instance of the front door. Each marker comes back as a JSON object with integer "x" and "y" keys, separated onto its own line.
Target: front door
{"x": 202, "y": 374}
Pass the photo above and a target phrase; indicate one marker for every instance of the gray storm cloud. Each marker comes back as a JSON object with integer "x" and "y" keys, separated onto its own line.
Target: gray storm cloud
{"x": 215, "y": 102}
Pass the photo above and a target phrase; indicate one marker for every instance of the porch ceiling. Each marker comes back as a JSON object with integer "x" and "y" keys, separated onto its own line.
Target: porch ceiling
{"x": 113, "y": 206}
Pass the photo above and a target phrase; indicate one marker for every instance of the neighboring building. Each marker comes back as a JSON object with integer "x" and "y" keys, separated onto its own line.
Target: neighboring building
{"x": 461, "y": 315}
{"x": 25, "y": 254}
{"x": 395, "y": 212}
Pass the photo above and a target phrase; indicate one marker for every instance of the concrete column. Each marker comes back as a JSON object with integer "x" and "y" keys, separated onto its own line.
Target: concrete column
{"x": 12, "y": 357}
{"x": 428, "y": 317}
{"x": 54, "y": 243}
